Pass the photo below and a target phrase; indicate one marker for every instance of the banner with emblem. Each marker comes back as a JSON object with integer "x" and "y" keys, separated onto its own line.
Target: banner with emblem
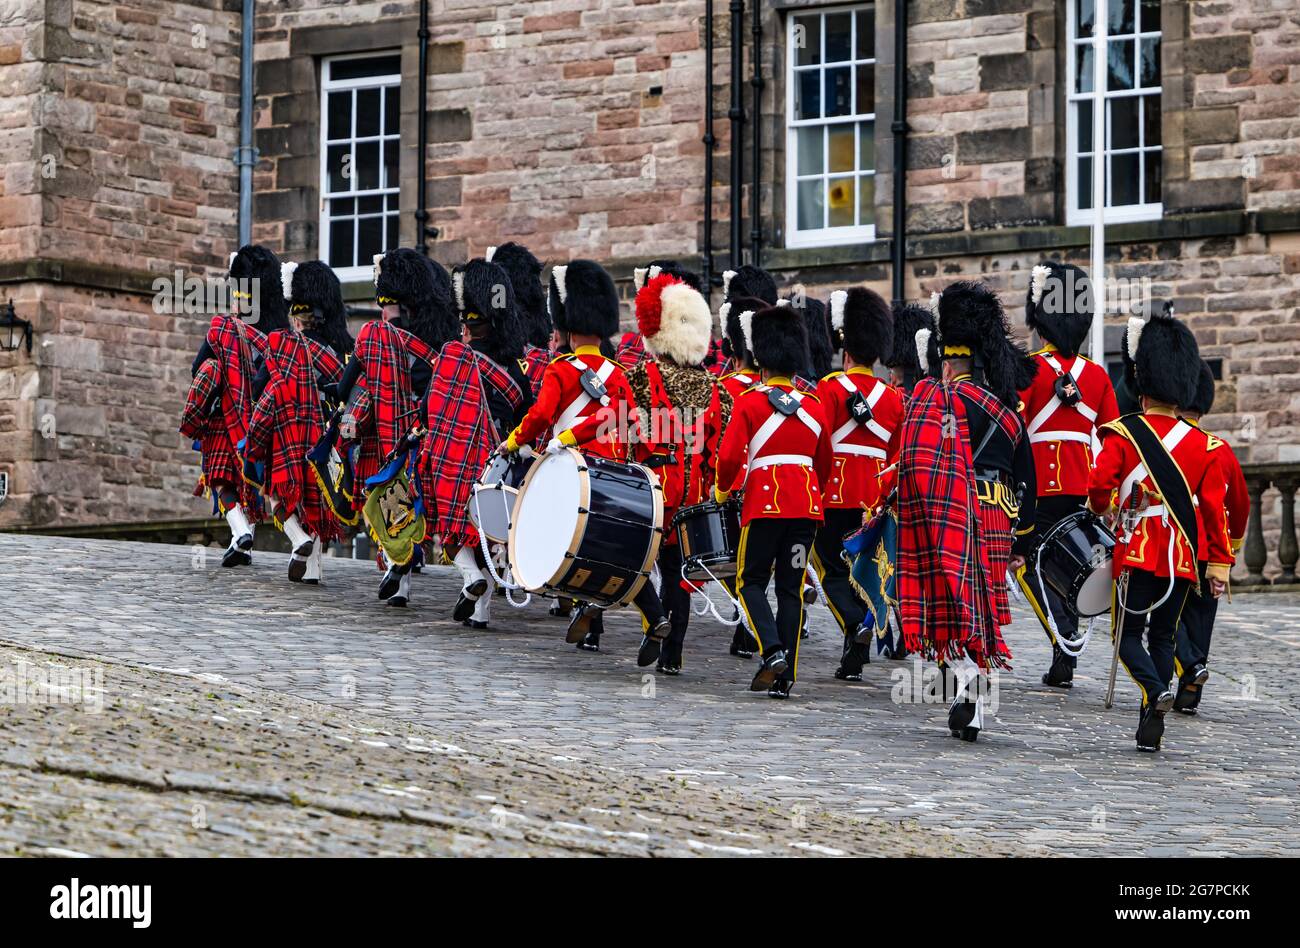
{"x": 873, "y": 554}
{"x": 393, "y": 511}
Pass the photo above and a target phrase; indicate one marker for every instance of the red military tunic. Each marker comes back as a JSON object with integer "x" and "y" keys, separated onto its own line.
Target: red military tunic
{"x": 572, "y": 415}
{"x": 1120, "y": 466}
{"x": 1236, "y": 500}
{"x": 781, "y": 461}
{"x": 1063, "y": 437}
{"x": 861, "y": 450}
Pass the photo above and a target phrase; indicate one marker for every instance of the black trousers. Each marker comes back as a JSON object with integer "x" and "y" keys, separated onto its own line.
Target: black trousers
{"x": 676, "y": 600}
{"x": 833, "y": 572}
{"x": 1196, "y": 627}
{"x": 775, "y": 548}
{"x": 1151, "y": 666}
{"x": 1048, "y": 512}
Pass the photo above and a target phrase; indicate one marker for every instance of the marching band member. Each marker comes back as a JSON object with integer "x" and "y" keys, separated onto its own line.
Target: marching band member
{"x": 1170, "y": 467}
{"x": 221, "y": 395}
{"x": 864, "y": 415}
{"x": 579, "y": 403}
{"x": 288, "y": 417}
{"x": 749, "y": 280}
{"x": 821, "y": 349}
{"x": 1071, "y": 398}
{"x": 1197, "y": 622}
{"x": 777, "y": 448}
{"x": 631, "y": 348}
{"x": 685, "y": 410}
{"x": 963, "y": 453}
{"x": 525, "y": 273}
{"x": 902, "y": 359}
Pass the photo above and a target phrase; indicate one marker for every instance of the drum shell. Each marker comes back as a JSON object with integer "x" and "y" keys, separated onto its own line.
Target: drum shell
{"x": 708, "y": 535}
{"x": 1077, "y": 553}
{"x": 496, "y": 493}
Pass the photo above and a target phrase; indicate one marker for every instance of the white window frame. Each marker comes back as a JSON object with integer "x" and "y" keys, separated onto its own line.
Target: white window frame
{"x": 1074, "y": 215}
{"x": 824, "y": 236}
{"x": 365, "y": 269}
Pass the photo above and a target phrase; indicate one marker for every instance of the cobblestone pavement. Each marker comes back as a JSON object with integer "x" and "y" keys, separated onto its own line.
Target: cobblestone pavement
{"x": 1052, "y": 772}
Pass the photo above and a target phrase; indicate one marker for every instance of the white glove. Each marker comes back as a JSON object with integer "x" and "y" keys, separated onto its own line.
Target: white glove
{"x": 555, "y": 446}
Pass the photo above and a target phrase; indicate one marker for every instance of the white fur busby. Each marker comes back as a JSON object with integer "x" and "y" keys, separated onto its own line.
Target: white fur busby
{"x": 582, "y": 299}
{"x": 1060, "y": 305}
{"x": 674, "y": 319}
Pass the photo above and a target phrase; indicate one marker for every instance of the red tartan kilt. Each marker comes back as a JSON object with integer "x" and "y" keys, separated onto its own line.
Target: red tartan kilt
{"x": 995, "y": 529}
{"x": 221, "y": 466}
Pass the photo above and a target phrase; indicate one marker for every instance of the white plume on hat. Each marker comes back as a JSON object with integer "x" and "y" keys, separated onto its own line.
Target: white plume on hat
{"x": 934, "y": 304}
{"x": 747, "y": 328}
{"x": 723, "y": 312}
{"x": 923, "y": 348}
{"x": 558, "y": 274}
{"x": 1135, "y": 326}
{"x": 458, "y": 287}
{"x": 490, "y": 252}
{"x": 783, "y": 302}
{"x": 233, "y": 255}
{"x": 838, "y": 299}
{"x": 378, "y": 260}
{"x": 726, "y": 281}
{"x": 1038, "y": 282}
{"x": 286, "y": 278}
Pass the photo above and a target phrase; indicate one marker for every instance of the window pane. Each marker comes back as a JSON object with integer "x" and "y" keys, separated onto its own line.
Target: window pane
{"x": 1124, "y": 180}
{"x": 811, "y": 201}
{"x": 392, "y": 108}
{"x": 1084, "y": 16}
{"x": 842, "y": 202}
{"x": 1151, "y": 120}
{"x": 867, "y": 146}
{"x": 390, "y": 163}
{"x": 343, "y": 207}
{"x": 1119, "y": 74}
{"x": 339, "y": 109}
{"x": 839, "y": 96}
{"x": 391, "y": 202}
{"x": 810, "y": 150}
{"x": 390, "y": 240}
{"x": 1120, "y": 16}
{"x": 367, "y": 112}
{"x": 370, "y": 237}
{"x": 1123, "y": 114}
{"x": 808, "y": 97}
{"x": 363, "y": 68}
{"x": 1084, "y": 126}
{"x": 341, "y": 247}
{"x": 338, "y": 165}
{"x": 1085, "y": 183}
{"x": 866, "y": 38}
{"x": 867, "y": 200}
{"x": 1150, "y": 16}
{"x": 1083, "y": 68}
{"x": 838, "y": 37}
{"x": 1151, "y": 161}
{"x": 1150, "y": 66}
{"x": 866, "y": 90}
{"x": 366, "y": 176}
{"x": 807, "y": 40}
{"x": 370, "y": 205}
{"x": 841, "y": 146}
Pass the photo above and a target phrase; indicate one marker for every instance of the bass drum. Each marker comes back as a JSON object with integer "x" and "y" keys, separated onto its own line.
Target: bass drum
{"x": 496, "y": 492}
{"x": 1075, "y": 560}
{"x": 708, "y": 535}
{"x": 586, "y": 528}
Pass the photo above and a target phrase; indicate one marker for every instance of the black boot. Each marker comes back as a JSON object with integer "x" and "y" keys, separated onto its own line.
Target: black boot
{"x": 1151, "y": 722}
{"x": 652, "y": 644}
{"x": 1189, "y": 689}
{"x": 742, "y": 643}
{"x": 780, "y": 688}
{"x": 670, "y": 658}
{"x": 1061, "y": 673}
{"x": 591, "y": 641}
{"x": 851, "y": 661}
{"x": 961, "y": 715}
{"x": 773, "y": 666}
{"x": 581, "y": 624}
{"x": 469, "y": 597}
{"x": 388, "y": 585}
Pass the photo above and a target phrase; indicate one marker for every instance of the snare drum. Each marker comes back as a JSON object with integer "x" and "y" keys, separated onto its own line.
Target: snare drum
{"x": 708, "y": 535}
{"x": 586, "y": 528}
{"x": 496, "y": 492}
{"x": 1075, "y": 558}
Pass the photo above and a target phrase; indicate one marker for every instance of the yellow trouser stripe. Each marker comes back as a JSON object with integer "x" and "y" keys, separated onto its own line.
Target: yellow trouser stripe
{"x": 1033, "y": 602}
{"x": 740, "y": 582}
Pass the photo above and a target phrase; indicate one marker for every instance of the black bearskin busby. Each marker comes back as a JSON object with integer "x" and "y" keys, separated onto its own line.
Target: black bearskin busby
{"x": 749, "y": 280}
{"x": 316, "y": 298}
{"x": 423, "y": 289}
{"x": 525, "y": 272}
{"x": 734, "y": 344}
{"x": 582, "y": 299}
{"x": 486, "y": 302}
{"x": 1204, "y": 400}
{"x": 862, "y": 324}
{"x": 1059, "y": 305}
{"x": 1166, "y": 358}
{"x": 909, "y": 319}
{"x": 255, "y": 270}
{"x": 778, "y": 338}
{"x": 971, "y": 324}
{"x": 641, "y": 275}
{"x": 821, "y": 351}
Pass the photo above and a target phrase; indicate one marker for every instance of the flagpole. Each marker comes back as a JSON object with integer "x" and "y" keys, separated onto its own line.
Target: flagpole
{"x": 1098, "y": 267}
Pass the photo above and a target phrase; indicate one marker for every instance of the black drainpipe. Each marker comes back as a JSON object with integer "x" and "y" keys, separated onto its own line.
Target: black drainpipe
{"x": 422, "y": 97}
{"x": 710, "y": 142}
{"x": 756, "y": 175}
{"x": 899, "y": 128}
{"x": 737, "y": 116}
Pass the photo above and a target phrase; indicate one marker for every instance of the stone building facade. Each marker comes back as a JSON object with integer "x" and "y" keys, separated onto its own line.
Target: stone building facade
{"x": 578, "y": 127}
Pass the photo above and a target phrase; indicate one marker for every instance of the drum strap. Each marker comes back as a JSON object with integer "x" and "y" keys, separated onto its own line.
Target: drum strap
{"x": 1047, "y": 411}
{"x": 838, "y": 443}
{"x": 573, "y": 411}
{"x": 1159, "y": 465}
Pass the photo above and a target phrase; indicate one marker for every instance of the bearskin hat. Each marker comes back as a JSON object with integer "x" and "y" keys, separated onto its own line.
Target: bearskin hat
{"x": 315, "y": 296}
{"x": 1059, "y": 305}
{"x": 862, "y": 324}
{"x": 909, "y": 319}
{"x": 821, "y": 351}
{"x": 674, "y": 320}
{"x": 423, "y": 289}
{"x": 778, "y": 338}
{"x": 525, "y": 272}
{"x": 655, "y": 267}
{"x": 735, "y": 343}
{"x": 261, "y": 268}
{"x": 582, "y": 299}
{"x": 1204, "y": 400}
{"x": 749, "y": 281}
{"x": 971, "y": 323}
{"x": 485, "y": 295}
{"x": 1166, "y": 358}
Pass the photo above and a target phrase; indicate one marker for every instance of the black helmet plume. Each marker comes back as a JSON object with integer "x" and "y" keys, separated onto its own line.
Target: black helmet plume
{"x": 314, "y": 292}
{"x": 971, "y": 322}
{"x": 485, "y": 295}
{"x": 256, "y": 270}
{"x": 525, "y": 272}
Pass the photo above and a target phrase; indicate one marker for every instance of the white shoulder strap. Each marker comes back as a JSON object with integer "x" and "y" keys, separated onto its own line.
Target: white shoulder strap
{"x": 573, "y": 411}
{"x": 1171, "y": 440}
